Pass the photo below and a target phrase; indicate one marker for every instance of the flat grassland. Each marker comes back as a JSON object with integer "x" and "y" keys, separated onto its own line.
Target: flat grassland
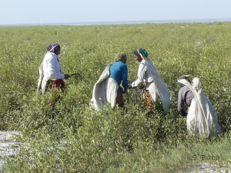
{"x": 74, "y": 138}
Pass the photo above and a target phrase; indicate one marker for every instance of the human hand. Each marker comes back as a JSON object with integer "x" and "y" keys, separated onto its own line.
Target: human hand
{"x": 124, "y": 90}
{"x": 129, "y": 86}
{"x": 66, "y": 76}
{"x": 142, "y": 85}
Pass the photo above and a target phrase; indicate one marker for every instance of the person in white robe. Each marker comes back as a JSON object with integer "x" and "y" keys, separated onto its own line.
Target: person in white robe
{"x": 107, "y": 89}
{"x": 150, "y": 81}
{"x": 50, "y": 70}
{"x": 201, "y": 117}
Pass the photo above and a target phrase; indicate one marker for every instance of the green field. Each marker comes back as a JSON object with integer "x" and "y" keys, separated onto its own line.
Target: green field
{"x": 74, "y": 138}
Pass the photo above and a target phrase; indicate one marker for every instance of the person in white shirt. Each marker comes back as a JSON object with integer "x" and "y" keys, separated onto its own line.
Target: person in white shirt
{"x": 150, "y": 81}
{"x": 50, "y": 70}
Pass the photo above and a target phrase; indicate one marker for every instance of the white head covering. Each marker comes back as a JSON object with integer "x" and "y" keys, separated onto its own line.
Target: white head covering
{"x": 196, "y": 83}
{"x": 142, "y": 52}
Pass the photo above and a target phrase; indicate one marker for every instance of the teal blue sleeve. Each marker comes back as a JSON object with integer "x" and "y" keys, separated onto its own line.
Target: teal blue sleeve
{"x": 125, "y": 77}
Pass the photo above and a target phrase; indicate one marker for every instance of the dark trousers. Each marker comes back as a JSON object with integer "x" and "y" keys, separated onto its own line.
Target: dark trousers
{"x": 119, "y": 98}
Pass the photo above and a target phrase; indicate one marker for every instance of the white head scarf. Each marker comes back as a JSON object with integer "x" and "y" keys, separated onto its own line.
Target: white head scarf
{"x": 196, "y": 83}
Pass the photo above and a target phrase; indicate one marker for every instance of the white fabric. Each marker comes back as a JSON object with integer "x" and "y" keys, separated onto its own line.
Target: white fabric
{"x": 155, "y": 85}
{"x": 48, "y": 69}
{"x": 44, "y": 83}
{"x": 104, "y": 91}
{"x": 141, "y": 74}
{"x": 111, "y": 93}
{"x": 202, "y": 117}
{"x": 196, "y": 84}
{"x": 40, "y": 79}
{"x": 51, "y": 66}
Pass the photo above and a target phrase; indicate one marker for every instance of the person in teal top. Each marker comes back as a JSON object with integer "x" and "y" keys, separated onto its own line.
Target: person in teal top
{"x": 108, "y": 88}
{"x": 119, "y": 72}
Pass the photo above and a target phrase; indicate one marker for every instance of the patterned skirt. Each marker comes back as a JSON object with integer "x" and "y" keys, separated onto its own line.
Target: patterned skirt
{"x": 147, "y": 100}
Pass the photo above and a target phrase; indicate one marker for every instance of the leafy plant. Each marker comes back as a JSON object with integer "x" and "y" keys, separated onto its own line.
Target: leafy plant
{"x": 61, "y": 133}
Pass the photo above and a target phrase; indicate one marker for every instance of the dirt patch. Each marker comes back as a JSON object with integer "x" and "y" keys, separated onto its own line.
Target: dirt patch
{"x": 207, "y": 168}
{"x": 7, "y": 140}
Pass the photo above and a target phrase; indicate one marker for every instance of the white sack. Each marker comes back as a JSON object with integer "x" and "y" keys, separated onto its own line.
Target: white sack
{"x": 40, "y": 79}
{"x": 202, "y": 117}
{"x": 158, "y": 87}
{"x": 104, "y": 91}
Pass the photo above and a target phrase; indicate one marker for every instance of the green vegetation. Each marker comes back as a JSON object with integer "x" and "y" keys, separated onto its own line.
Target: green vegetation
{"x": 74, "y": 138}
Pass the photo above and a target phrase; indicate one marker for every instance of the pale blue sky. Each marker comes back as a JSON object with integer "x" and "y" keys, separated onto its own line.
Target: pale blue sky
{"x": 16, "y": 12}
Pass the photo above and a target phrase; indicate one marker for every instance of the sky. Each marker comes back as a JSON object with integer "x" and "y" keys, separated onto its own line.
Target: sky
{"x": 29, "y": 12}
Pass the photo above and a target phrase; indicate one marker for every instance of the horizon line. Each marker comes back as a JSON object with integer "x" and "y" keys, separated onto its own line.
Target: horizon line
{"x": 127, "y": 22}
